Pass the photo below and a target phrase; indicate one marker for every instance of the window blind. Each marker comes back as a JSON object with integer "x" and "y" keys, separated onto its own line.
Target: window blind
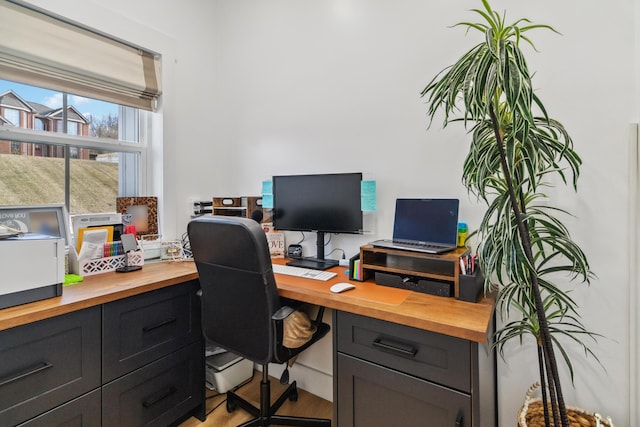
{"x": 41, "y": 50}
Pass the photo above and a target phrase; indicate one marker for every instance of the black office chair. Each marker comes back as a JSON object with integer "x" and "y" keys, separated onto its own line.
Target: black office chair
{"x": 241, "y": 309}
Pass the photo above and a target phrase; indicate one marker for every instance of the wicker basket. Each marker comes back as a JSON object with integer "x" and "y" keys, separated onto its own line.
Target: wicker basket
{"x": 531, "y": 414}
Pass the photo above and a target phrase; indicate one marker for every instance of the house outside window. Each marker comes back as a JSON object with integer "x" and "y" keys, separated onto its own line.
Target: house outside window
{"x": 98, "y": 169}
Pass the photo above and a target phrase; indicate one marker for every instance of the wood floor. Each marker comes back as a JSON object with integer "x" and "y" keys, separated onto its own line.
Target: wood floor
{"x": 308, "y": 405}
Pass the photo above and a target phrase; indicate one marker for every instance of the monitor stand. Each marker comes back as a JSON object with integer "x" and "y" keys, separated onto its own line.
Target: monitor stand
{"x": 317, "y": 263}
{"x": 313, "y": 263}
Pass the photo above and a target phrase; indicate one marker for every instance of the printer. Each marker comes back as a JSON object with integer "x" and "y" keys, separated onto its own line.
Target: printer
{"x": 32, "y": 268}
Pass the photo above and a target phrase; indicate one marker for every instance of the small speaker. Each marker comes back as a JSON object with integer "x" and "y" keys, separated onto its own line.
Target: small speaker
{"x": 294, "y": 251}
{"x": 416, "y": 284}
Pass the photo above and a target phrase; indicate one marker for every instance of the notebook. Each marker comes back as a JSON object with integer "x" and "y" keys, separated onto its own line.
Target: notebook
{"x": 424, "y": 225}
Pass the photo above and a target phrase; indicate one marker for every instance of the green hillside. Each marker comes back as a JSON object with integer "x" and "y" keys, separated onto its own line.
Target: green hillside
{"x": 26, "y": 180}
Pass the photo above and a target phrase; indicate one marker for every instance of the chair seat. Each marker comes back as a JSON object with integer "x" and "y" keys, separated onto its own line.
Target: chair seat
{"x": 284, "y": 354}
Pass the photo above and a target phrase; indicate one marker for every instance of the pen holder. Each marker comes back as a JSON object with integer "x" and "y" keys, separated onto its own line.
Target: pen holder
{"x": 471, "y": 286}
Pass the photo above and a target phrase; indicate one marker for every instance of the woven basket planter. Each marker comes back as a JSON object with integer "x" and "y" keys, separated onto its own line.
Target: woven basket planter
{"x": 531, "y": 414}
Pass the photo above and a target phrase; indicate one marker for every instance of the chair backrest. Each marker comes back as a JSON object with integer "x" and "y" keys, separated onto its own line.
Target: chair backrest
{"x": 239, "y": 293}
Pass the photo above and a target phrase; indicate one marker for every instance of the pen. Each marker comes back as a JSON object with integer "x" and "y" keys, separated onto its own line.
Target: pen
{"x": 463, "y": 268}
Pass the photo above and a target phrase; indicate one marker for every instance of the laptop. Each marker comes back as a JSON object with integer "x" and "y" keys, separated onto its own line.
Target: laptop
{"x": 424, "y": 225}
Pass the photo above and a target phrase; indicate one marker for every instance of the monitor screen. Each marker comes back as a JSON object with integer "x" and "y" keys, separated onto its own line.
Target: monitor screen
{"x": 327, "y": 203}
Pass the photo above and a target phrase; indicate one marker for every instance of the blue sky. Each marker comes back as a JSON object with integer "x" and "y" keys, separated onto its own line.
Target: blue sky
{"x": 53, "y": 99}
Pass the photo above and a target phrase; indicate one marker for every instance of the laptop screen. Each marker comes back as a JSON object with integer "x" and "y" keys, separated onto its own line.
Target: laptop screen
{"x": 426, "y": 220}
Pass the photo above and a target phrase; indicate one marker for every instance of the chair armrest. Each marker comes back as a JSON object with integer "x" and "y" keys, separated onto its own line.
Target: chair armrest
{"x": 282, "y": 313}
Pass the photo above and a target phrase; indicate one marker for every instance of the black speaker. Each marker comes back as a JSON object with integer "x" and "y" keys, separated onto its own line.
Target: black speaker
{"x": 412, "y": 283}
{"x": 294, "y": 251}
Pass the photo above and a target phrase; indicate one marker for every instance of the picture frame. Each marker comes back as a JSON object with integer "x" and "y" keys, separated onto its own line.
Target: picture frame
{"x": 142, "y": 212}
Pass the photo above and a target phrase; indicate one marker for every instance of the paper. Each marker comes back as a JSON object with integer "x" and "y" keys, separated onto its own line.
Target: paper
{"x": 368, "y": 196}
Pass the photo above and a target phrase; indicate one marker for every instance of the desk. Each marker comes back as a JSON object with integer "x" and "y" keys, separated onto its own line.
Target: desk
{"x": 405, "y": 358}
{"x": 442, "y": 317}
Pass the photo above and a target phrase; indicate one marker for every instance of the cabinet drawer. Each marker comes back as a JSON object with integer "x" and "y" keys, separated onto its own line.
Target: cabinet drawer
{"x": 47, "y": 363}
{"x": 373, "y": 396}
{"x": 84, "y": 411}
{"x": 427, "y": 355}
{"x": 158, "y": 393}
{"x": 143, "y": 328}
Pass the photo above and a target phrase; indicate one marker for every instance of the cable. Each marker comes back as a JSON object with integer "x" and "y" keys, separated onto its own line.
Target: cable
{"x": 216, "y": 407}
{"x": 242, "y": 384}
{"x": 303, "y": 238}
{"x": 337, "y": 249}
{"x": 213, "y": 396}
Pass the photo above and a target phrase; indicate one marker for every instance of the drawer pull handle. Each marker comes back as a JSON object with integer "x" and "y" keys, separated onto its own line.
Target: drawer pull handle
{"x": 459, "y": 421}
{"x": 159, "y": 396}
{"x": 159, "y": 324}
{"x": 403, "y": 349}
{"x": 25, "y": 373}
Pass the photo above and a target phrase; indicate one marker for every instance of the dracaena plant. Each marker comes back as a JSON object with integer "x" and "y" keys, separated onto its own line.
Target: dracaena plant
{"x": 516, "y": 151}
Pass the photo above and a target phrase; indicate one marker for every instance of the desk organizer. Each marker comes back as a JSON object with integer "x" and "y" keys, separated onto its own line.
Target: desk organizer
{"x": 436, "y": 271}
{"x": 90, "y": 267}
{"x": 471, "y": 286}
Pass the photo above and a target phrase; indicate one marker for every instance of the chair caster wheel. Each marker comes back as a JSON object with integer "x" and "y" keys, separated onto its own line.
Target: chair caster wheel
{"x": 231, "y": 406}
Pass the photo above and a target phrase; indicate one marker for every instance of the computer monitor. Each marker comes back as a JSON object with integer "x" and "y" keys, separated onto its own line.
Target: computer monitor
{"x": 323, "y": 203}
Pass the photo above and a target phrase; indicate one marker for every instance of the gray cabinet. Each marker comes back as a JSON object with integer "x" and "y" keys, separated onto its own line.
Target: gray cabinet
{"x": 158, "y": 393}
{"x": 153, "y": 358}
{"x": 143, "y": 328}
{"x": 47, "y": 363}
{"x": 83, "y": 411}
{"x": 387, "y": 375}
{"x": 131, "y": 362}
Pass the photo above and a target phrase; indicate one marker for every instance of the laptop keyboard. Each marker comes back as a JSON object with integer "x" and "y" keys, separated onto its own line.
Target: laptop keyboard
{"x": 425, "y": 246}
{"x": 429, "y": 248}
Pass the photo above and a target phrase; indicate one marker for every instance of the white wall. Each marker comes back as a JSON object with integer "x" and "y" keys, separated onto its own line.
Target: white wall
{"x": 256, "y": 88}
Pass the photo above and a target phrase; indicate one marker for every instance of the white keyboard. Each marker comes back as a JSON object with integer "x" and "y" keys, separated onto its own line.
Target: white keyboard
{"x": 307, "y": 273}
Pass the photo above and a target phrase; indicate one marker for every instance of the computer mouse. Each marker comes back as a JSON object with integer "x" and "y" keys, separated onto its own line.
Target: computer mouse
{"x": 341, "y": 287}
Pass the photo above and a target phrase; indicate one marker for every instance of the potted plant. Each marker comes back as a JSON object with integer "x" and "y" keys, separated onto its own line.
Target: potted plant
{"x": 516, "y": 151}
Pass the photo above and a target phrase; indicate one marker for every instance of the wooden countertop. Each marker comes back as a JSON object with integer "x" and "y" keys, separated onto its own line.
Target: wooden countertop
{"x": 448, "y": 316}
{"x": 100, "y": 289}
{"x": 437, "y": 314}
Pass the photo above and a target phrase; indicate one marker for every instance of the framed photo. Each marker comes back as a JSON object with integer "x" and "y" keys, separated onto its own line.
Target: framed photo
{"x": 142, "y": 212}
{"x": 50, "y": 220}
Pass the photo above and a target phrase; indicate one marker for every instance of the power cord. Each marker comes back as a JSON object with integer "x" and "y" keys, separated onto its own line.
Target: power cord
{"x": 236, "y": 388}
{"x": 186, "y": 246}
{"x": 303, "y": 238}
{"x": 337, "y": 249}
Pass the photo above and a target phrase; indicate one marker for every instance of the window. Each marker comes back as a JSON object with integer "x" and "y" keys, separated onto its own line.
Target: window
{"x": 12, "y": 115}
{"x": 72, "y": 128}
{"x": 86, "y": 167}
{"x": 86, "y": 113}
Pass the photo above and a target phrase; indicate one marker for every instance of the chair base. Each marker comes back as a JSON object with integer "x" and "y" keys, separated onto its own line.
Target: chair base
{"x": 265, "y": 415}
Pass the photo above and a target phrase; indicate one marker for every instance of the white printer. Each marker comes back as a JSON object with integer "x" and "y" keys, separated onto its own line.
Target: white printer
{"x": 32, "y": 268}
